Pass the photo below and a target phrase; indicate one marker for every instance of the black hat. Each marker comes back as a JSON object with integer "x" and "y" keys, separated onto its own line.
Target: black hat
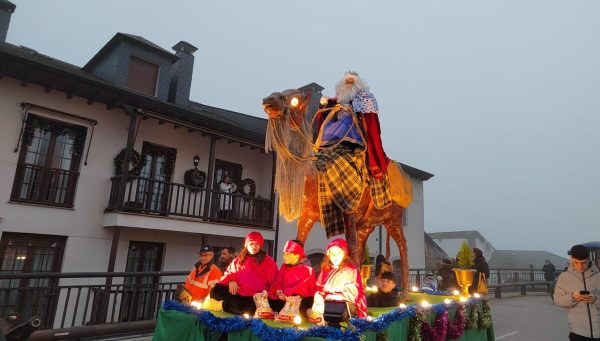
{"x": 579, "y": 252}
{"x": 206, "y": 248}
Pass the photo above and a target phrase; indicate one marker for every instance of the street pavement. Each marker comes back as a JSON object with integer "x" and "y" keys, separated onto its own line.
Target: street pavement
{"x": 532, "y": 317}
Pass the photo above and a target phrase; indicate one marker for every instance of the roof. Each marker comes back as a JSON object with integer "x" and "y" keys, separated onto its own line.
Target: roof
{"x": 133, "y": 39}
{"x": 7, "y": 6}
{"x": 592, "y": 245}
{"x": 456, "y": 235}
{"x": 30, "y": 66}
{"x": 415, "y": 172}
{"x": 523, "y": 259}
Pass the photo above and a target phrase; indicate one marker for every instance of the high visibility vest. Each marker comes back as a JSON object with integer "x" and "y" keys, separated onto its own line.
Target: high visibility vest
{"x": 199, "y": 286}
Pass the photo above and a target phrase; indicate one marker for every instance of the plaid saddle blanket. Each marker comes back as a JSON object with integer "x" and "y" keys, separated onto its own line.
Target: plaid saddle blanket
{"x": 342, "y": 178}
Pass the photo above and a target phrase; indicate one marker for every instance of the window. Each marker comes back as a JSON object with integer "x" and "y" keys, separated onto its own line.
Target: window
{"x": 48, "y": 166}
{"x": 27, "y": 253}
{"x": 222, "y": 168}
{"x": 153, "y": 188}
{"x": 140, "y": 294}
{"x": 142, "y": 76}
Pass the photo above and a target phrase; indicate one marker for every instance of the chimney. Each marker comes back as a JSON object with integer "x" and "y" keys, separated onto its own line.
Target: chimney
{"x": 6, "y": 10}
{"x": 181, "y": 74}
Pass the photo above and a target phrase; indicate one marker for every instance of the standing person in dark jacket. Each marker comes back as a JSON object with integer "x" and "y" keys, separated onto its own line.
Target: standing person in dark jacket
{"x": 387, "y": 295}
{"x": 549, "y": 270}
{"x": 481, "y": 266}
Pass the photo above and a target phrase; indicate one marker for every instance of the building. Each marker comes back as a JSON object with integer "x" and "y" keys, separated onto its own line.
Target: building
{"x": 73, "y": 204}
{"x": 450, "y": 242}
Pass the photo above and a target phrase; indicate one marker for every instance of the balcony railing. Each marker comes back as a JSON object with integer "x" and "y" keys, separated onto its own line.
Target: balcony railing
{"x": 46, "y": 186}
{"x": 156, "y": 197}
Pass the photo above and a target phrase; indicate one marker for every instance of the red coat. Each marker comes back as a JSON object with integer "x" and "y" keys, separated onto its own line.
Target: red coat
{"x": 298, "y": 279}
{"x": 251, "y": 277}
{"x": 343, "y": 284}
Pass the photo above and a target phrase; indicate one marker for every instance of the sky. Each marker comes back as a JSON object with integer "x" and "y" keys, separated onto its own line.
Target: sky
{"x": 500, "y": 100}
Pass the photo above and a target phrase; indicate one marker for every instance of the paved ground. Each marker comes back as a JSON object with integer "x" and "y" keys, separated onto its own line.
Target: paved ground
{"x": 532, "y": 317}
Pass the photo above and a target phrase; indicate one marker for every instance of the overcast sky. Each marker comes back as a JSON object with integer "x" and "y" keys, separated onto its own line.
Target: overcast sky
{"x": 499, "y": 99}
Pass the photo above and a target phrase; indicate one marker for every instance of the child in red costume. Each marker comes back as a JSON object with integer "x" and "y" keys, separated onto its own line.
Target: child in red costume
{"x": 339, "y": 280}
{"x": 251, "y": 272}
{"x": 296, "y": 278}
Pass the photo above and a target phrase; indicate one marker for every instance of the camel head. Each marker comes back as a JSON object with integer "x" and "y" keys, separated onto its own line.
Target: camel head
{"x": 292, "y": 102}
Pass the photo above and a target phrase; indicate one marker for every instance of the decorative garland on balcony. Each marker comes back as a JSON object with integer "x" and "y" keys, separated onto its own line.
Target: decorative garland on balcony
{"x": 136, "y": 164}
{"x": 419, "y": 328}
{"x": 252, "y": 187}
{"x": 194, "y": 177}
{"x": 77, "y": 133}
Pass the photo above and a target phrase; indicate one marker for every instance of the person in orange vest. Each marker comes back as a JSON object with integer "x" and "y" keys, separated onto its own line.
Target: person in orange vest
{"x": 203, "y": 276}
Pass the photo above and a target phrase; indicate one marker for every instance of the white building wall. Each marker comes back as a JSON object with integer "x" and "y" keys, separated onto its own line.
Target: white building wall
{"x": 88, "y": 243}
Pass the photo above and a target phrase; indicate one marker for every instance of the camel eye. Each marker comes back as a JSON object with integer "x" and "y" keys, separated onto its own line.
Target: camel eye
{"x": 294, "y": 101}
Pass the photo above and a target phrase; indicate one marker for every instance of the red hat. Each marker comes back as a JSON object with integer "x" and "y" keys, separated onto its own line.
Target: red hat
{"x": 295, "y": 248}
{"x": 339, "y": 242}
{"x": 255, "y": 237}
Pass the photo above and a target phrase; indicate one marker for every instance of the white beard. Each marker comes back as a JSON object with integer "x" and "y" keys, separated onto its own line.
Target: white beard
{"x": 344, "y": 92}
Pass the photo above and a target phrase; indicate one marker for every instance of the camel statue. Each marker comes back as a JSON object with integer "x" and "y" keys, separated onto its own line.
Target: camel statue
{"x": 289, "y": 134}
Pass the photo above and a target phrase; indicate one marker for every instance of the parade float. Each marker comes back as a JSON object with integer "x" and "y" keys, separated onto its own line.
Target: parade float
{"x": 310, "y": 175}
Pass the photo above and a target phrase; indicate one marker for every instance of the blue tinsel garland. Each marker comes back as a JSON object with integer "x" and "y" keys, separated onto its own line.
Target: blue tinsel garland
{"x": 267, "y": 333}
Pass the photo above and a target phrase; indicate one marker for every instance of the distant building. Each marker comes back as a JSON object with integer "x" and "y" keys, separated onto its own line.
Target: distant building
{"x": 450, "y": 242}
{"x": 523, "y": 259}
{"x": 433, "y": 253}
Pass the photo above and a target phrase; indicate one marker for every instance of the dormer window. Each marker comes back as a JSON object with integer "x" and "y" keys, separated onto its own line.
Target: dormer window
{"x": 143, "y": 76}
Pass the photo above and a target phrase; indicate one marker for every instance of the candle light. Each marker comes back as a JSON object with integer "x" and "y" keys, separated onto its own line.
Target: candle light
{"x": 447, "y": 301}
{"x": 414, "y": 288}
{"x": 425, "y": 304}
{"x": 196, "y": 304}
{"x": 463, "y": 299}
{"x": 374, "y": 288}
{"x": 246, "y": 316}
{"x": 402, "y": 306}
{"x": 455, "y": 292}
{"x": 297, "y": 320}
{"x": 476, "y": 295}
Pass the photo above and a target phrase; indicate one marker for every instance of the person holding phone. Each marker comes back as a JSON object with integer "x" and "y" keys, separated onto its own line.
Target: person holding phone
{"x": 577, "y": 291}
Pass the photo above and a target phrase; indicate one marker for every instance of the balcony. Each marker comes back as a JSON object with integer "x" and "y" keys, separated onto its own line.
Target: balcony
{"x": 44, "y": 186}
{"x": 169, "y": 199}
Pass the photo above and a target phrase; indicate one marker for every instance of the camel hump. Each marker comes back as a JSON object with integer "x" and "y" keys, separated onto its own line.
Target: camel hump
{"x": 400, "y": 184}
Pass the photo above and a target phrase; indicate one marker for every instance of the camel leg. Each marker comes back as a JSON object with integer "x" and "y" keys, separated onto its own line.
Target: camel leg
{"x": 395, "y": 229}
{"x": 305, "y": 224}
{"x": 363, "y": 233}
{"x": 351, "y": 238}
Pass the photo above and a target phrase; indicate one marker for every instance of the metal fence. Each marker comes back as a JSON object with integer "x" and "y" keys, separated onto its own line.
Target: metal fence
{"x": 67, "y": 300}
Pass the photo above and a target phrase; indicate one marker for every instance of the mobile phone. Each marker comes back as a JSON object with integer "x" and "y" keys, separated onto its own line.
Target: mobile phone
{"x": 584, "y": 292}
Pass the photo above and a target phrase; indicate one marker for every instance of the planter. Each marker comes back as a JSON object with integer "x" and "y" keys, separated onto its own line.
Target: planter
{"x": 464, "y": 277}
{"x": 365, "y": 274}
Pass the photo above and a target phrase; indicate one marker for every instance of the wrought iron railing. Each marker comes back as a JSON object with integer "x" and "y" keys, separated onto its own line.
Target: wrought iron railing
{"x": 148, "y": 196}
{"x": 46, "y": 186}
{"x": 81, "y": 299}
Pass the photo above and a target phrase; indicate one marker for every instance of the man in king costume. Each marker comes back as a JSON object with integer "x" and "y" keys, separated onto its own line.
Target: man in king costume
{"x": 349, "y": 135}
